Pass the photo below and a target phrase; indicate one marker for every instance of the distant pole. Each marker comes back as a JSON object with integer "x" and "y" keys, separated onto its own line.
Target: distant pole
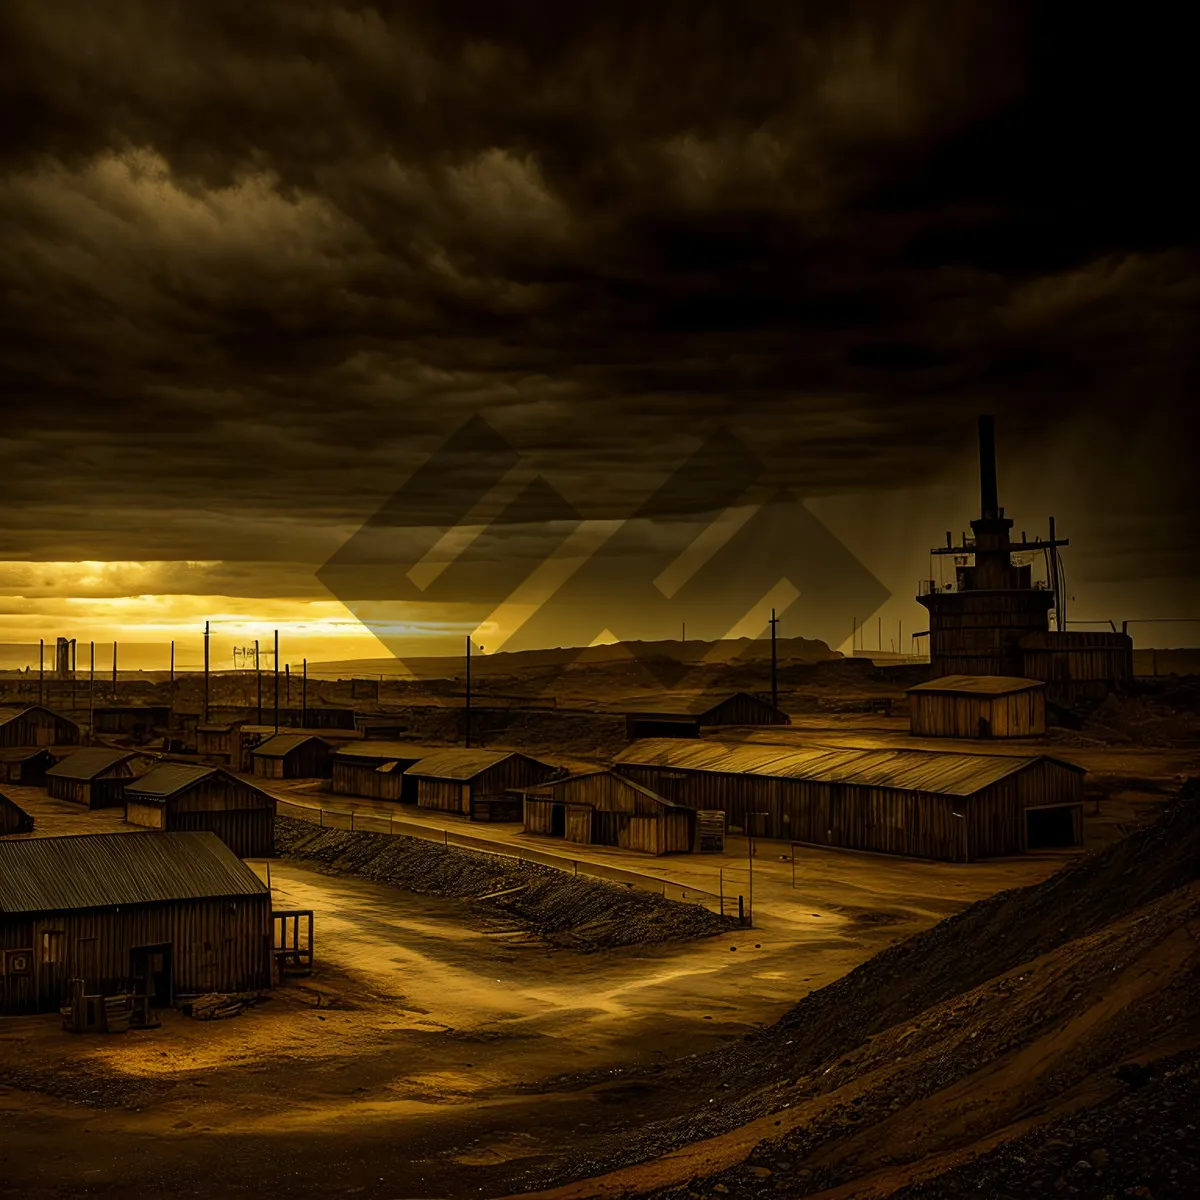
{"x": 853, "y": 634}
{"x": 172, "y": 687}
{"x": 74, "y": 674}
{"x": 467, "y": 714}
{"x": 900, "y": 636}
{"x": 1055, "y": 582}
{"x": 304, "y": 697}
{"x": 258, "y": 680}
{"x": 879, "y": 636}
{"x": 683, "y": 631}
{"x": 206, "y": 666}
{"x": 91, "y": 693}
{"x": 277, "y": 681}
{"x": 114, "y": 682}
{"x": 750, "y": 860}
{"x": 41, "y": 670}
{"x": 774, "y": 664}
{"x": 287, "y": 685}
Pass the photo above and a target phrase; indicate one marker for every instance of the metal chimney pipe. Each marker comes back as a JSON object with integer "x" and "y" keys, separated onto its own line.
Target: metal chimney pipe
{"x": 988, "y": 501}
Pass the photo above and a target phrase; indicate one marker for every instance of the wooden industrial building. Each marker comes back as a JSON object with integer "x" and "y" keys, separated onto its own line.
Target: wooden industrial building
{"x": 603, "y": 808}
{"x": 685, "y": 716}
{"x": 292, "y": 756}
{"x": 376, "y": 770}
{"x": 919, "y": 803}
{"x": 34, "y": 725}
{"x": 1078, "y": 664}
{"x": 136, "y": 720}
{"x": 190, "y": 797}
{"x": 477, "y": 783}
{"x": 94, "y": 777}
{"x": 977, "y": 706}
{"x": 234, "y": 744}
{"x": 25, "y": 764}
{"x": 158, "y": 913}
{"x": 13, "y": 818}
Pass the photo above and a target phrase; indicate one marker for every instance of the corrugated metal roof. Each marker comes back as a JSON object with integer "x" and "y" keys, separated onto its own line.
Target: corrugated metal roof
{"x": 168, "y": 778}
{"x": 946, "y": 773}
{"x": 87, "y": 764}
{"x": 383, "y": 751}
{"x": 977, "y": 685}
{"x": 459, "y": 763}
{"x": 104, "y": 870}
{"x": 283, "y": 743}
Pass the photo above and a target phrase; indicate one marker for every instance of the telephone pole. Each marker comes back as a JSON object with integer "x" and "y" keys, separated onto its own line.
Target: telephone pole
{"x": 774, "y": 664}
{"x": 467, "y": 713}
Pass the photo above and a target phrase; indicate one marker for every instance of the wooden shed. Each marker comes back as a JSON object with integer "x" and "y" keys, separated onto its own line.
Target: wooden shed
{"x": 978, "y": 706}
{"x": 94, "y": 777}
{"x": 292, "y": 756}
{"x": 919, "y": 803}
{"x": 13, "y": 818}
{"x": 25, "y": 764}
{"x": 33, "y": 725}
{"x": 685, "y": 716}
{"x": 475, "y": 782}
{"x": 157, "y": 913}
{"x": 1078, "y": 664}
{"x": 376, "y": 770}
{"x": 188, "y": 797}
{"x": 603, "y": 808}
{"x": 137, "y": 720}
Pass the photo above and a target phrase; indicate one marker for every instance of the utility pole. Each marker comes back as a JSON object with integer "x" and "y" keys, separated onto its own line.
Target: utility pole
{"x": 879, "y": 636}
{"x": 467, "y": 712}
{"x": 774, "y": 664}
{"x": 91, "y": 693}
{"x": 114, "y": 683}
{"x": 287, "y": 685}
{"x": 41, "y": 670}
{"x": 304, "y": 697}
{"x": 258, "y": 680}
{"x": 206, "y": 663}
{"x": 277, "y": 681}
{"x": 750, "y": 859}
{"x": 1059, "y": 623}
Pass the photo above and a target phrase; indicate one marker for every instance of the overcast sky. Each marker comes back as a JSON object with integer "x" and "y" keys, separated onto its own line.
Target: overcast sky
{"x": 260, "y": 260}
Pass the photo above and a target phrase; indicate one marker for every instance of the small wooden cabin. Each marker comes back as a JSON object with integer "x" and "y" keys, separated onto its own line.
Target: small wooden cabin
{"x": 13, "y": 818}
{"x": 33, "y": 725}
{"x": 475, "y": 782}
{"x": 603, "y": 808}
{"x": 154, "y": 913}
{"x": 376, "y": 770}
{"x": 26, "y": 765}
{"x": 978, "y": 706}
{"x": 94, "y": 777}
{"x": 292, "y": 756}
{"x": 190, "y": 797}
{"x": 685, "y": 716}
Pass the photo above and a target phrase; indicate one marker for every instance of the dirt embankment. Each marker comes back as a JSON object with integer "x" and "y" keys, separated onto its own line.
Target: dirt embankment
{"x": 1027, "y": 1010}
{"x": 563, "y": 910}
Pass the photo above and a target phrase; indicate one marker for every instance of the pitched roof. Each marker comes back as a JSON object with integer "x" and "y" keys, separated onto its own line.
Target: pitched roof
{"x": 942, "y": 772}
{"x": 104, "y": 870}
{"x": 169, "y": 778}
{"x": 88, "y": 764}
{"x": 13, "y": 754}
{"x": 976, "y": 685}
{"x": 624, "y": 780}
{"x": 457, "y": 763}
{"x": 284, "y": 743}
{"x": 9, "y": 712}
{"x": 382, "y": 751}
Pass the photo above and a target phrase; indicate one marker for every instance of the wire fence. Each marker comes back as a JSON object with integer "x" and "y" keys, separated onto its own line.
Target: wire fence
{"x": 353, "y": 821}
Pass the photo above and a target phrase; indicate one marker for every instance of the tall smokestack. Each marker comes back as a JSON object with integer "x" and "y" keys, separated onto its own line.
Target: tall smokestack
{"x": 989, "y": 504}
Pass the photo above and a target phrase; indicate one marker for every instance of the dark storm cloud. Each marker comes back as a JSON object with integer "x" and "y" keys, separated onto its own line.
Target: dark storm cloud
{"x": 261, "y": 259}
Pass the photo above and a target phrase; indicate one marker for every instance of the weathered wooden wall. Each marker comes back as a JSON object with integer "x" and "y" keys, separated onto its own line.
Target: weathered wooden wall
{"x": 39, "y": 727}
{"x": 217, "y": 946}
{"x": 1018, "y": 714}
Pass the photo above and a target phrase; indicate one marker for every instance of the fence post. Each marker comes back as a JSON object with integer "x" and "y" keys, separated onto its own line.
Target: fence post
{"x": 352, "y": 820}
{"x": 445, "y": 837}
{"x": 793, "y": 864}
{"x": 721, "y": 886}
{"x": 321, "y": 811}
{"x": 741, "y": 911}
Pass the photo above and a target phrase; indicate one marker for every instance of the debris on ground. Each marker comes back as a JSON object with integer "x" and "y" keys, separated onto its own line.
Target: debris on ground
{"x": 569, "y": 911}
{"x": 215, "y": 1006}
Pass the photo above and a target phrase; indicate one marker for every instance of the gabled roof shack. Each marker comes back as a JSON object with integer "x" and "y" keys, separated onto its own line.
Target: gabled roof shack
{"x": 86, "y": 765}
{"x": 283, "y": 744}
{"x": 168, "y": 779}
{"x": 107, "y": 870}
{"x": 976, "y": 685}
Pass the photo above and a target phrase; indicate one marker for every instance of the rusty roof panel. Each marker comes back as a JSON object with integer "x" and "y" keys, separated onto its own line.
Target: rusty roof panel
{"x": 977, "y": 685}
{"x": 941, "y": 772}
{"x": 106, "y": 870}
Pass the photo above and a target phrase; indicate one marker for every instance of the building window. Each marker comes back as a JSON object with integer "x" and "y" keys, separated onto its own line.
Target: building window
{"x": 52, "y": 946}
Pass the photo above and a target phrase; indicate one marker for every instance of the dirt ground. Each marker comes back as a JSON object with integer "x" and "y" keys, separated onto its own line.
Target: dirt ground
{"x": 432, "y": 1054}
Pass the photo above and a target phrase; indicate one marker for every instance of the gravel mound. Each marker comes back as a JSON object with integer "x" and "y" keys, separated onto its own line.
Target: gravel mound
{"x": 568, "y": 911}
